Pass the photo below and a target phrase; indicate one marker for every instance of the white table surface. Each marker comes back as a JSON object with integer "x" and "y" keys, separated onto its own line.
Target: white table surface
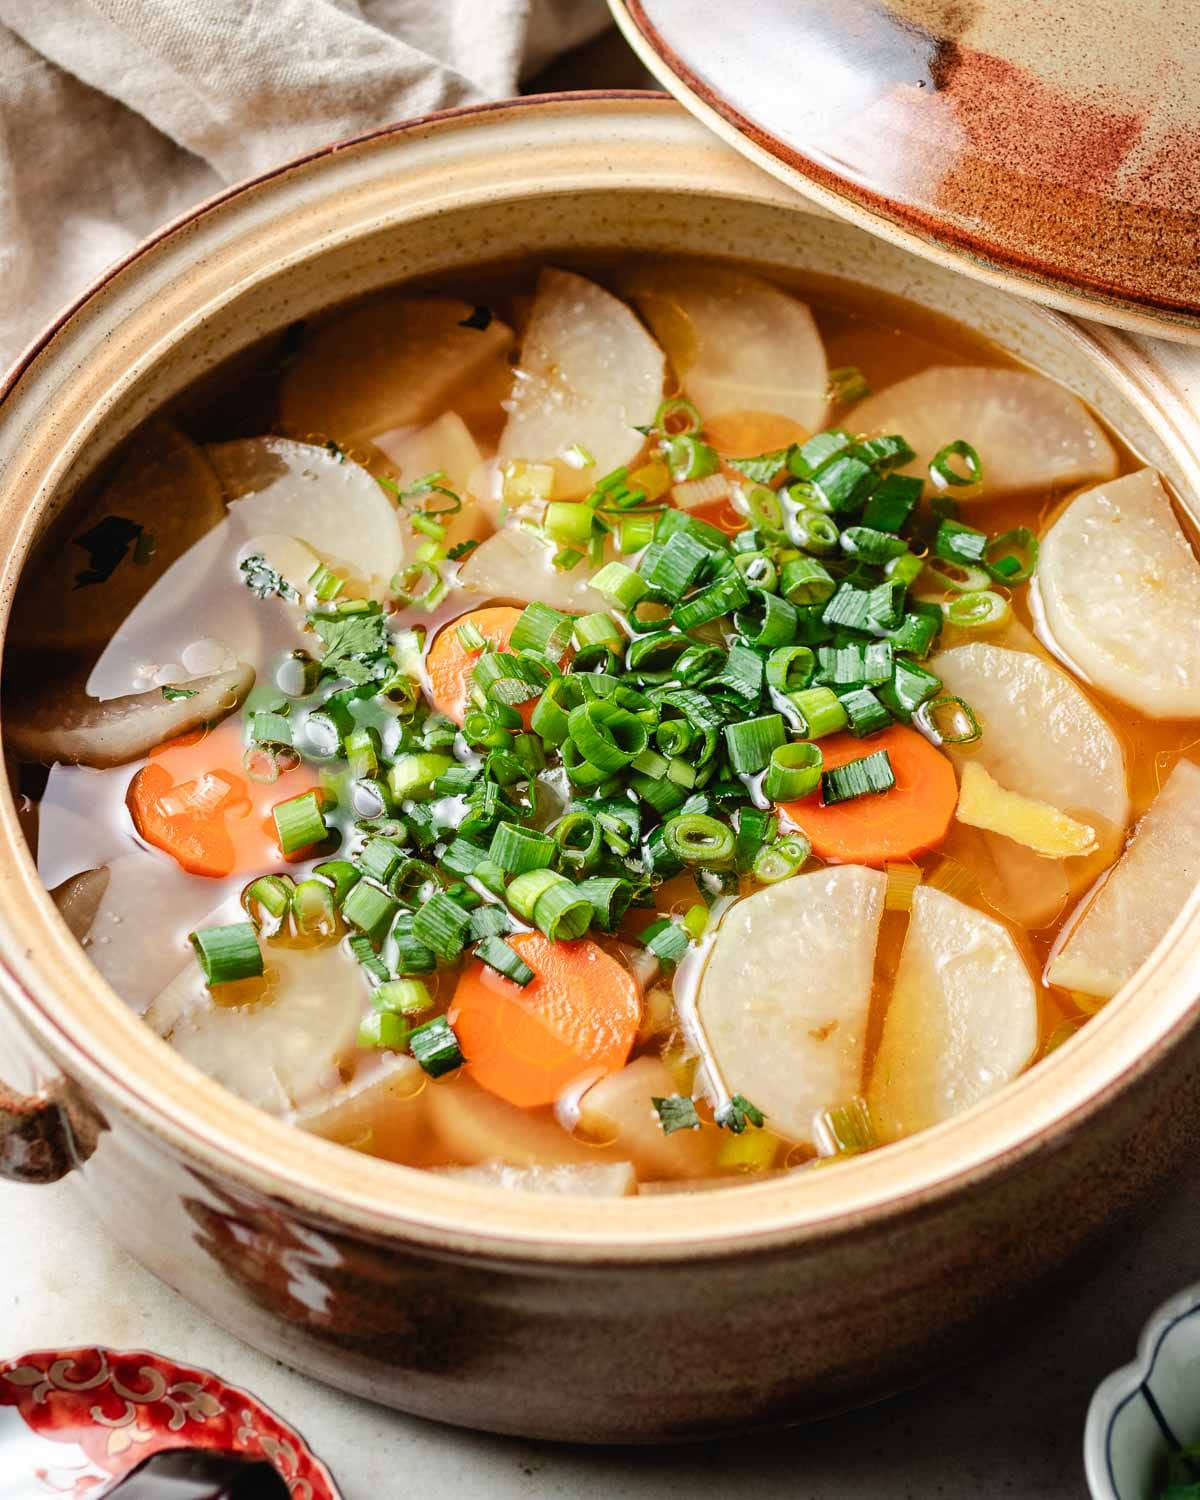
{"x": 1008, "y": 1427}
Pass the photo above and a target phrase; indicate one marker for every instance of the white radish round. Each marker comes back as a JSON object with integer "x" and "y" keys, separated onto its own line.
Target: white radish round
{"x": 737, "y": 343}
{"x": 516, "y": 564}
{"x": 329, "y": 503}
{"x": 1030, "y": 433}
{"x": 1041, "y": 736}
{"x": 962, "y": 1020}
{"x": 1119, "y": 587}
{"x": 589, "y": 374}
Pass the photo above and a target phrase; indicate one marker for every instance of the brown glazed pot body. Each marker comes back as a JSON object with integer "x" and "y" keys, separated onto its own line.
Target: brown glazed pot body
{"x": 674, "y": 1316}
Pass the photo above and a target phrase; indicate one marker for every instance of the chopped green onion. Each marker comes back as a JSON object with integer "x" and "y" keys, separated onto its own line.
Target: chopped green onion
{"x": 228, "y": 953}
{"x": 858, "y": 778}
{"x": 620, "y": 584}
{"x": 299, "y": 822}
{"x": 383, "y": 1030}
{"x": 755, "y": 827}
{"x": 609, "y": 897}
{"x": 887, "y": 452}
{"x": 677, "y": 417}
{"x": 678, "y": 566}
{"x": 412, "y": 956}
{"x": 960, "y": 544}
{"x": 820, "y": 711}
{"x": 370, "y": 910}
{"x": 762, "y": 468}
{"x": 551, "y": 903}
{"x": 953, "y": 578}
{"x": 579, "y": 837}
{"x": 1012, "y": 556}
{"x": 949, "y": 721}
{"x": 720, "y": 598}
{"x": 540, "y": 628}
{"x": 917, "y": 631}
{"x": 910, "y": 686}
{"x": 667, "y": 940}
{"x": 781, "y": 859}
{"x": 841, "y": 666}
{"x": 813, "y": 532}
{"x": 313, "y": 909}
{"x": 943, "y": 472}
{"x": 804, "y": 580}
{"x": 866, "y": 714}
{"x": 496, "y": 953}
{"x": 325, "y": 583}
{"x": 442, "y": 925}
{"x": 380, "y": 858}
{"x": 742, "y": 674}
{"x": 269, "y": 729}
{"x": 905, "y": 569}
{"x": 984, "y": 610}
{"x": 676, "y": 1113}
{"x": 689, "y": 458}
{"x": 518, "y": 849}
{"x": 885, "y": 607}
{"x": 569, "y": 522}
{"x": 366, "y": 956}
{"x": 794, "y": 772}
{"x": 405, "y": 997}
{"x": 768, "y": 620}
{"x": 804, "y": 460}
{"x": 845, "y": 1130}
{"x": 697, "y": 839}
{"x": 362, "y": 752}
{"x": 892, "y": 503}
{"x": 789, "y": 669}
{"x": 435, "y": 1047}
{"x": 847, "y": 384}
{"x": 845, "y": 482}
{"x": 751, "y": 742}
{"x": 634, "y": 532}
{"x": 489, "y": 921}
{"x": 271, "y": 893}
{"x": 849, "y": 607}
{"x": 871, "y": 546}
{"x": 606, "y": 735}
{"x": 413, "y": 776}
{"x": 757, "y": 571}
{"x": 598, "y": 630}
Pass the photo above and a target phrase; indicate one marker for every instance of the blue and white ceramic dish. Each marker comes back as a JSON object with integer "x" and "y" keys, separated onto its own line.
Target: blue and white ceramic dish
{"x": 1148, "y": 1409}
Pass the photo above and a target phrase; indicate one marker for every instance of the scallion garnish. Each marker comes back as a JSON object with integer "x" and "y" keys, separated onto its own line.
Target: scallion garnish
{"x": 949, "y": 721}
{"x": 435, "y": 1047}
{"x": 781, "y": 859}
{"x": 858, "y": 778}
{"x": 738, "y": 1113}
{"x": 794, "y": 771}
{"x": 496, "y": 953}
{"x": 228, "y": 954}
{"x": 943, "y": 471}
{"x": 299, "y": 822}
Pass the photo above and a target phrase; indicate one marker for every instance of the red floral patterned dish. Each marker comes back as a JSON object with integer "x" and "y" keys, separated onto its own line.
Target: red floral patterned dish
{"x": 73, "y": 1421}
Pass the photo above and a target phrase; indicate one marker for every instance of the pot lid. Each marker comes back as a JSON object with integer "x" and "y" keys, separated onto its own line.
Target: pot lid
{"x": 1054, "y": 149}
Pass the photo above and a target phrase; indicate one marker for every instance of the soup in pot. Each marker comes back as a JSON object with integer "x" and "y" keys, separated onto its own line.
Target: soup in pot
{"x": 627, "y": 729}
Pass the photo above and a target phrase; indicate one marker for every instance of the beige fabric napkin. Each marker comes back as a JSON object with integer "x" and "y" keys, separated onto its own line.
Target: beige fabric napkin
{"x": 116, "y": 115}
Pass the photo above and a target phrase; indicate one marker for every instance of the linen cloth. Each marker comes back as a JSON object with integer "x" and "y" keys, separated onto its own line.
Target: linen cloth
{"x": 117, "y": 115}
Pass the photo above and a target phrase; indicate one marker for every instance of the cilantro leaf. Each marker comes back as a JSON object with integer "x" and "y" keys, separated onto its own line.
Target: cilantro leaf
{"x": 676, "y": 1113}
{"x": 357, "y": 646}
{"x": 262, "y": 579}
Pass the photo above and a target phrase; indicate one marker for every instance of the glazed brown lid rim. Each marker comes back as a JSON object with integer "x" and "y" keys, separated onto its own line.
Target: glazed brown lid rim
{"x": 130, "y": 1071}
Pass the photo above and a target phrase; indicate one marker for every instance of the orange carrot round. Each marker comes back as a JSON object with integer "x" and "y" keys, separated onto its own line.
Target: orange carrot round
{"x": 194, "y": 800}
{"x": 450, "y": 664}
{"x": 577, "y": 1017}
{"x": 910, "y": 818}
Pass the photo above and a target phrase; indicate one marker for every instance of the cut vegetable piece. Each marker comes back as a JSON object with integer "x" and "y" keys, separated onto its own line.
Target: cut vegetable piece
{"x": 383, "y": 1114}
{"x": 785, "y": 994}
{"x": 1142, "y": 896}
{"x": 1120, "y": 589}
{"x": 618, "y": 1110}
{"x": 517, "y": 564}
{"x": 64, "y": 725}
{"x": 164, "y": 496}
{"x": 330, "y": 503}
{"x": 897, "y": 824}
{"x": 578, "y": 1017}
{"x": 738, "y": 344}
{"x": 292, "y": 559}
{"x": 473, "y": 1126}
{"x": 1041, "y": 736}
{"x": 194, "y": 801}
{"x": 78, "y": 900}
{"x": 962, "y": 1020}
{"x": 1014, "y": 881}
{"x": 392, "y": 362}
{"x": 589, "y": 374}
{"x": 598, "y": 1180}
{"x": 984, "y": 803}
{"x": 1030, "y": 433}
{"x": 278, "y": 1052}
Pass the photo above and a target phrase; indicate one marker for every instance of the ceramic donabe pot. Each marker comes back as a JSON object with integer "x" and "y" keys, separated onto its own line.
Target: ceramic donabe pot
{"x": 631, "y": 1319}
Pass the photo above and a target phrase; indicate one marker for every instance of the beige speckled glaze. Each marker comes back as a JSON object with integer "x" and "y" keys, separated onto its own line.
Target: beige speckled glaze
{"x": 624, "y": 1320}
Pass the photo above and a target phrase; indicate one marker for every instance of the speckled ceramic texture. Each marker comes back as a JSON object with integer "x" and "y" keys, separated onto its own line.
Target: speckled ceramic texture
{"x": 1054, "y": 146}
{"x": 638, "y": 1319}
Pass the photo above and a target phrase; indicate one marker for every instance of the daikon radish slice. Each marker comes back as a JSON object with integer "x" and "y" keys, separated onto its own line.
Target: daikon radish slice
{"x": 384, "y": 1113}
{"x": 1120, "y": 589}
{"x": 619, "y": 1112}
{"x": 516, "y": 564}
{"x": 962, "y": 1020}
{"x": 598, "y": 1180}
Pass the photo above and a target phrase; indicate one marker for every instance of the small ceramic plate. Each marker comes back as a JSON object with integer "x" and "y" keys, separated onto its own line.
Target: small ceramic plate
{"x": 1147, "y": 1409}
{"x": 1054, "y": 149}
{"x": 73, "y": 1421}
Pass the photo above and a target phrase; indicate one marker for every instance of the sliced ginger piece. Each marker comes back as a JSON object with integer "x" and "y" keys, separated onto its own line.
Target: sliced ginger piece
{"x": 984, "y": 803}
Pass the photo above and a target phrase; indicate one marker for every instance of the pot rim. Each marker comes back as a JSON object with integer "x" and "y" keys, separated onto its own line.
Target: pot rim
{"x": 103, "y": 1045}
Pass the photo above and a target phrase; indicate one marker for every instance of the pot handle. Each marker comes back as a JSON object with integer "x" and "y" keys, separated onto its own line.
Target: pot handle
{"x": 44, "y": 1136}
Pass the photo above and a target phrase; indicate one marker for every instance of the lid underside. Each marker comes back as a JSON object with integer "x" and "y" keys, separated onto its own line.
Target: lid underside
{"x": 1057, "y": 145}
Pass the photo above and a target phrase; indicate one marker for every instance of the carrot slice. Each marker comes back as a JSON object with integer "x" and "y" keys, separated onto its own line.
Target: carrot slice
{"x": 578, "y": 1017}
{"x": 193, "y": 800}
{"x": 907, "y": 820}
{"x": 450, "y": 664}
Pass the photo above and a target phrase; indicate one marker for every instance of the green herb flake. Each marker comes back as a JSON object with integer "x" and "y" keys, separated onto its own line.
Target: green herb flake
{"x": 174, "y": 694}
{"x": 676, "y": 1113}
{"x": 739, "y": 1113}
